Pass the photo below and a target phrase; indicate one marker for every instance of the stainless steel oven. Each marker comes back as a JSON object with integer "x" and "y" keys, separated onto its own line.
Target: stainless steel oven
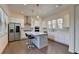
{"x": 36, "y": 29}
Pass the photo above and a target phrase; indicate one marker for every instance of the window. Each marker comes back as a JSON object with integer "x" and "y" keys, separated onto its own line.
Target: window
{"x": 49, "y": 24}
{"x": 54, "y": 24}
{"x": 60, "y": 23}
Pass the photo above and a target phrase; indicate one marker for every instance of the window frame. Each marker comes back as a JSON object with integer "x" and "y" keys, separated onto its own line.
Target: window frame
{"x": 54, "y": 24}
{"x": 60, "y": 23}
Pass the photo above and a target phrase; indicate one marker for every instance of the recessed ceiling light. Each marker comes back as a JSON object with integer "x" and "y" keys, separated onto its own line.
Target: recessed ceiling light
{"x": 59, "y": 5}
{"x": 25, "y": 4}
{"x": 37, "y": 16}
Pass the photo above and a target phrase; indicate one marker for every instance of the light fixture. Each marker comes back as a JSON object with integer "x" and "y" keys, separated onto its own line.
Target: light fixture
{"x": 59, "y": 5}
{"x": 25, "y": 4}
{"x": 38, "y": 17}
{"x": 56, "y": 5}
{"x": 37, "y": 5}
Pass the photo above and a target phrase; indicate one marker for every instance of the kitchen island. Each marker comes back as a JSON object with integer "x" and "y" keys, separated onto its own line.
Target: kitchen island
{"x": 40, "y": 40}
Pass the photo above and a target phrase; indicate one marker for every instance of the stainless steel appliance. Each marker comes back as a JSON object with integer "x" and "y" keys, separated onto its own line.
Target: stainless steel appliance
{"x": 36, "y": 29}
{"x": 14, "y": 31}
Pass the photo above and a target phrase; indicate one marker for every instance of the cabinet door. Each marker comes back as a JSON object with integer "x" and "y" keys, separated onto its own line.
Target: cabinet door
{"x": 51, "y": 35}
{"x": 23, "y": 36}
{"x": 59, "y": 37}
{"x": 66, "y": 20}
{"x": 62, "y": 39}
{"x": 43, "y": 41}
{"x": 67, "y": 38}
{"x": 37, "y": 41}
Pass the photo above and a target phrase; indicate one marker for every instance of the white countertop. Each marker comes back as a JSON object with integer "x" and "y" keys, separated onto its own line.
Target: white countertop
{"x": 36, "y": 33}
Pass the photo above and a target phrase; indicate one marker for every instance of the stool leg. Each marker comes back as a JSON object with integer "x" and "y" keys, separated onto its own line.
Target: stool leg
{"x": 29, "y": 43}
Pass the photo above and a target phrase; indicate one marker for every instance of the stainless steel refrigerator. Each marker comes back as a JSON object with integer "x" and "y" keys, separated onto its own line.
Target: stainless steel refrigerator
{"x": 14, "y": 31}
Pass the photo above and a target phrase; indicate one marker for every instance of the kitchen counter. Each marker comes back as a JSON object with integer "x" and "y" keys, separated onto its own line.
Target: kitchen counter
{"x": 36, "y": 33}
{"x": 40, "y": 40}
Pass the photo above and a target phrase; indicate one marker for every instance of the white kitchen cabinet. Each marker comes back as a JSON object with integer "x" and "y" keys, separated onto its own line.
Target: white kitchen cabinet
{"x": 43, "y": 41}
{"x": 23, "y": 34}
{"x": 51, "y": 35}
{"x": 40, "y": 41}
{"x": 66, "y": 20}
{"x": 36, "y": 41}
{"x": 59, "y": 37}
{"x": 66, "y": 38}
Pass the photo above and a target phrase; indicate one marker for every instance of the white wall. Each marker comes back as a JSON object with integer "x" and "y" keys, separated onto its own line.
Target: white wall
{"x": 3, "y": 42}
{"x": 4, "y": 38}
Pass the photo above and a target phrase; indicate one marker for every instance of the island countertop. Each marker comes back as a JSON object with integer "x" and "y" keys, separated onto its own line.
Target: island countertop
{"x": 36, "y": 33}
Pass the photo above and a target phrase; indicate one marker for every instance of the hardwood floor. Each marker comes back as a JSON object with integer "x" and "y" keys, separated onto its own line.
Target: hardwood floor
{"x": 20, "y": 47}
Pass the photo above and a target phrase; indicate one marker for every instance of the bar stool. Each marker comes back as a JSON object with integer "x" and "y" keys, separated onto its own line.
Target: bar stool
{"x": 27, "y": 37}
{"x": 30, "y": 38}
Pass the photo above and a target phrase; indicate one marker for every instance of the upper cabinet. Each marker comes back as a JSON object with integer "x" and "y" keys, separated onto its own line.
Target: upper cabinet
{"x": 66, "y": 21}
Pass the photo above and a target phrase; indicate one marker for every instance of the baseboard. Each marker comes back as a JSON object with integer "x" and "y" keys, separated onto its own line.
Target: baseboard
{"x": 51, "y": 39}
{"x": 62, "y": 43}
{"x": 57, "y": 41}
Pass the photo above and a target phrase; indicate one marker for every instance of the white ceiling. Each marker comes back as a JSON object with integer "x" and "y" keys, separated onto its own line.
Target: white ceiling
{"x": 34, "y": 10}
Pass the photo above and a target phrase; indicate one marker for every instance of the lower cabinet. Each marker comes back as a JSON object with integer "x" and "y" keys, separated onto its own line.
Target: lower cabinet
{"x": 36, "y": 41}
{"x": 67, "y": 38}
{"x": 23, "y": 36}
{"x": 59, "y": 36}
{"x": 41, "y": 41}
